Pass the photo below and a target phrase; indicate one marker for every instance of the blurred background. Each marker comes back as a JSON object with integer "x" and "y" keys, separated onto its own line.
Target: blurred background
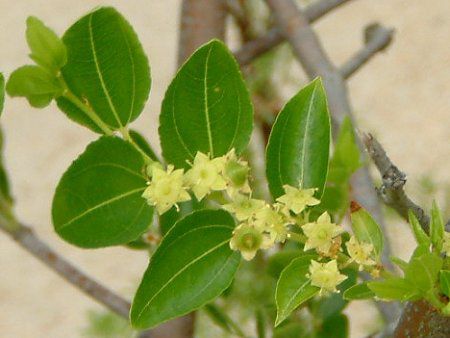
{"x": 402, "y": 96}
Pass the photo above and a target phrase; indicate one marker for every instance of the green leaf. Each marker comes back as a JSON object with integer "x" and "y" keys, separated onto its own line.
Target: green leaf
{"x": 336, "y": 327}
{"x": 293, "y": 287}
{"x": 106, "y": 69}
{"x": 358, "y": 291}
{"x": 193, "y": 265}
{"x": 299, "y": 143}
{"x": 4, "y": 181}
{"x": 142, "y": 143}
{"x": 366, "y": 229}
{"x": 206, "y": 108}
{"x": 400, "y": 263}
{"x": 98, "y": 200}
{"x": 47, "y": 49}
{"x": 35, "y": 83}
{"x": 2, "y": 92}
{"x": 436, "y": 227}
{"x": 394, "y": 288}
{"x": 444, "y": 280}
{"x": 420, "y": 235}
{"x": 423, "y": 271}
{"x": 260, "y": 323}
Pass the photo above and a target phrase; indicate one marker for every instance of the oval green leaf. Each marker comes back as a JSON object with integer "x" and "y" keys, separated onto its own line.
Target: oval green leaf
{"x": 98, "y": 200}
{"x": 106, "y": 69}
{"x": 293, "y": 287}
{"x": 366, "y": 229}
{"x": 206, "y": 108}
{"x": 299, "y": 143}
{"x": 193, "y": 265}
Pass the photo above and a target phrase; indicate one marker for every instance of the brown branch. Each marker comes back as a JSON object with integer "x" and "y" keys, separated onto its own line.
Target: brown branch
{"x": 252, "y": 49}
{"x": 28, "y": 240}
{"x": 295, "y": 28}
{"x": 392, "y": 190}
{"x": 201, "y": 21}
{"x": 420, "y": 319}
{"x": 377, "y": 39}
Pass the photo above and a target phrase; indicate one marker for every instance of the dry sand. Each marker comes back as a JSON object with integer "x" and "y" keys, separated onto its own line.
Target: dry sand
{"x": 403, "y": 96}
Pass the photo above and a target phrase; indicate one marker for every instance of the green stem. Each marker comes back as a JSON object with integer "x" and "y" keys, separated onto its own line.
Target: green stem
{"x": 67, "y": 93}
{"x": 126, "y": 136}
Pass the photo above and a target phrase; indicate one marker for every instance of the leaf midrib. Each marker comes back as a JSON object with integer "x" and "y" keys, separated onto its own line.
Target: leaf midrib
{"x": 97, "y": 206}
{"x": 206, "y": 108}
{"x": 99, "y": 73}
{"x": 216, "y": 247}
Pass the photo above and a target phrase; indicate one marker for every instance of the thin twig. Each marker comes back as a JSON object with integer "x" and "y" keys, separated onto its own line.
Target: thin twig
{"x": 392, "y": 189}
{"x": 295, "y": 28}
{"x": 252, "y": 49}
{"x": 28, "y": 240}
{"x": 377, "y": 39}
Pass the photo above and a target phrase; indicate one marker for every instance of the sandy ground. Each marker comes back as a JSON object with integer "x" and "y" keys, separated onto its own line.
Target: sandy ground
{"x": 403, "y": 96}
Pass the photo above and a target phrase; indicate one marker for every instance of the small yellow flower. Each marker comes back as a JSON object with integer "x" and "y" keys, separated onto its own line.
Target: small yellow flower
{"x": 205, "y": 175}
{"x": 360, "y": 252}
{"x": 296, "y": 199}
{"x": 446, "y": 244}
{"x": 166, "y": 189}
{"x": 320, "y": 234}
{"x": 244, "y": 207}
{"x": 272, "y": 221}
{"x": 326, "y": 276}
{"x": 248, "y": 240}
{"x": 236, "y": 174}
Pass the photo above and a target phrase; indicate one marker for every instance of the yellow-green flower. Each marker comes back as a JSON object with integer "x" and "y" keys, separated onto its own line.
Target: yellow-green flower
{"x": 205, "y": 175}
{"x": 360, "y": 252}
{"x": 236, "y": 174}
{"x": 326, "y": 276}
{"x": 272, "y": 221}
{"x": 244, "y": 207}
{"x": 320, "y": 234}
{"x": 296, "y": 199}
{"x": 166, "y": 189}
{"x": 248, "y": 240}
{"x": 446, "y": 244}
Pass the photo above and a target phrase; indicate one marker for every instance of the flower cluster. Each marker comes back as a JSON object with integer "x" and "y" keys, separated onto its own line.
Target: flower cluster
{"x": 169, "y": 187}
{"x": 261, "y": 225}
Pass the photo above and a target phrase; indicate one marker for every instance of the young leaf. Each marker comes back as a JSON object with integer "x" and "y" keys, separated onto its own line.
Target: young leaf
{"x": 444, "y": 280}
{"x": 206, "y": 108}
{"x": 366, "y": 229}
{"x": 358, "y": 291}
{"x": 35, "y": 83}
{"x": 47, "y": 49}
{"x": 394, "y": 288}
{"x": 420, "y": 235}
{"x": 2, "y": 92}
{"x": 299, "y": 143}
{"x": 400, "y": 263}
{"x": 423, "y": 271}
{"x": 293, "y": 287}
{"x": 106, "y": 68}
{"x": 436, "y": 227}
{"x": 98, "y": 200}
{"x": 193, "y": 265}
